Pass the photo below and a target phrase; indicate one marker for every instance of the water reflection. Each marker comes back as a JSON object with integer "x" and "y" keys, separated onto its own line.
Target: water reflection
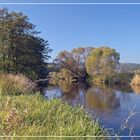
{"x": 102, "y": 98}
{"x": 111, "y": 104}
{"x": 66, "y": 86}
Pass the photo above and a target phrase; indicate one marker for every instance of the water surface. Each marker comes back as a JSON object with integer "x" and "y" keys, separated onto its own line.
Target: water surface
{"x": 110, "y": 105}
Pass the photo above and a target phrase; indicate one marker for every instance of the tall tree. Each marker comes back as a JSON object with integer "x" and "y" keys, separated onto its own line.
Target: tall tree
{"x": 102, "y": 61}
{"x": 21, "y": 50}
{"x": 74, "y": 61}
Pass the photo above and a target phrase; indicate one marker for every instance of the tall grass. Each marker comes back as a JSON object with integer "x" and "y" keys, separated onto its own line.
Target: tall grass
{"x": 136, "y": 80}
{"x": 26, "y": 115}
{"x": 11, "y": 84}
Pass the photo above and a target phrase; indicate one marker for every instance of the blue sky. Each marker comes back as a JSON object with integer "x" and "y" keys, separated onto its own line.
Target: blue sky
{"x": 70, "y": 26}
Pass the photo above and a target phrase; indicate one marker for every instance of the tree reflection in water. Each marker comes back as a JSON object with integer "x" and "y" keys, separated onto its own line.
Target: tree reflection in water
{"x": 91, "y": 98}
{"x": 102, "y": 98}
{"x": 66, "y": 86}
{"x": 110, "y": 104}
{"x": 77, "y": 94}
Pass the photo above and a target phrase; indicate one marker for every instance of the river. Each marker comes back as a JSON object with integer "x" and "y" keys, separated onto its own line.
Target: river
{"x": 111, "y": 105}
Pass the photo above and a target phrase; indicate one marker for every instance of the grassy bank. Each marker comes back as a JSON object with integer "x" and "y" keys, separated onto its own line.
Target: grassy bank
{"x": 33, "y": 115}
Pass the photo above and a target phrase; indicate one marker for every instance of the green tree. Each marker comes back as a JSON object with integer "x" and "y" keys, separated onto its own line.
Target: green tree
{"x": 102, "y": 61}
{"x": 74, "y": 61}
{"x": 21, "y": 49}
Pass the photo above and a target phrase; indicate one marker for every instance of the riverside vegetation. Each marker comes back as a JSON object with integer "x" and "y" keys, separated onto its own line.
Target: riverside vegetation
{"x": 24, "y": 112}
{"x": 98, "y": 66}
{"x": 23, "y": 59}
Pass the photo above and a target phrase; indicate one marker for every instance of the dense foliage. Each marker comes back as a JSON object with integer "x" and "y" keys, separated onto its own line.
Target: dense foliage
{"x": 100, "y": 65}
{"x": 21, "y": 49}
{"x": 102, "y": 61}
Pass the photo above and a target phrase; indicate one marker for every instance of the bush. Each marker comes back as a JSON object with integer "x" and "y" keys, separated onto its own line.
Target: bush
{"x": 122, "y": 78}
{"x": 115, "y": 79}
{"x": 11, "y": 84}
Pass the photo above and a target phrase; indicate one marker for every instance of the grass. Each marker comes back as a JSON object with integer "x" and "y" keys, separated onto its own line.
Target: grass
{"x": 28, "y": 115}
{"x": 56, "y": 138}
{"x": 11, "y": 84}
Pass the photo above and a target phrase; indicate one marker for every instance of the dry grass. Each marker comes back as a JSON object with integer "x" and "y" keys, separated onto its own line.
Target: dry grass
{"x": 136, "y": 80}
{"x": 11, "y": 84}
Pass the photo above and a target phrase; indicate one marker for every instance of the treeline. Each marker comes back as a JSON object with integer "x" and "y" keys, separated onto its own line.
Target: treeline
{"x": 23, "y": 51}
{"x": 96, "y": 65}
{"x": 21, "y": 48}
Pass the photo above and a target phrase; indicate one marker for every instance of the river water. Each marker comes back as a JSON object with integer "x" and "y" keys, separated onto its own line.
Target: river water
{"x": 111, "y": 105}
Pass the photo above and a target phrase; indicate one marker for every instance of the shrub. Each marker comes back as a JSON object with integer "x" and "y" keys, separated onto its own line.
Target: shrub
{"x": 115, "y": 79}
{"x": 123, "y": 78}
{"x": 11, "y": 84}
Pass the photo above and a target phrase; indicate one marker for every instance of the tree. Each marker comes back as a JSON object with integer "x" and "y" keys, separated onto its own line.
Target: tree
{"x": 102, "y": 61}
{"x": 74, "y": 61}
{"x": 33, "y": 57}
{"x": 21, "y": 49}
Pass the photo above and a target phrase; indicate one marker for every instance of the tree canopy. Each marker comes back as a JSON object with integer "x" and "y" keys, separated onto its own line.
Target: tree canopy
{"x": 102, "y": 61}
{"x": 21, "y": 49}
{"x": 74, "y": 60}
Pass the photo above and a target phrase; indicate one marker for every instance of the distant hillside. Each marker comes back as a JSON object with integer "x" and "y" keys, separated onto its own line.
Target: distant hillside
{"x": 128, "y": 67}
{"x": 125, "y": 67}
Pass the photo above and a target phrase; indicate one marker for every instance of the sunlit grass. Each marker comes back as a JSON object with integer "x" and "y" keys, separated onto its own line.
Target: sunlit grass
{"x": 26, "y": 115}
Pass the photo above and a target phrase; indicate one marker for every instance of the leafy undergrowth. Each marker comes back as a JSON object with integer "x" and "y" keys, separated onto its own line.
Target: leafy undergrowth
{"x": 28, "y": 115}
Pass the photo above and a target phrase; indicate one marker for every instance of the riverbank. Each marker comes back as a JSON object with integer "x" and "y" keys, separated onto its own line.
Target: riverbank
{"x": 26, "y": 115}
